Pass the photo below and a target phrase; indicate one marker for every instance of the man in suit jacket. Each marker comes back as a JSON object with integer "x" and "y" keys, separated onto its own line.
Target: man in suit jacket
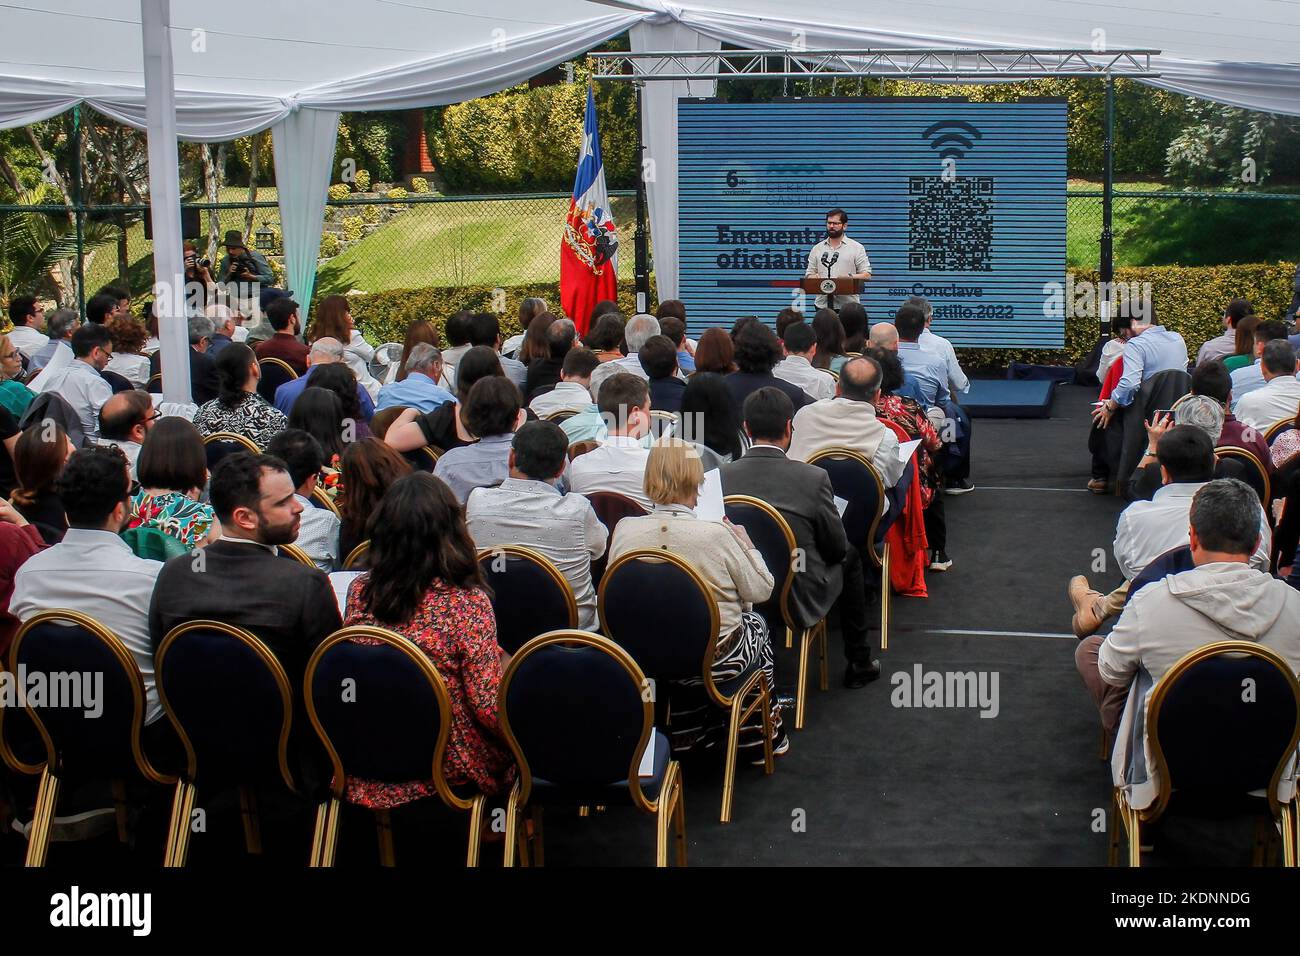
{"x": 830, "y": 572}
{"x": 203, "y": 370}
{"x": 240, "y": 579}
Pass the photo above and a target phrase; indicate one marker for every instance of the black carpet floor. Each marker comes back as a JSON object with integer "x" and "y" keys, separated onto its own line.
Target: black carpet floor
{"x": 869, "y": 783}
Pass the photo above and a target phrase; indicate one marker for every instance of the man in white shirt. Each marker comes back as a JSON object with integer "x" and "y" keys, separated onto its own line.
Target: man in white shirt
{"x": 800, "y": 344}
{"x": 27, "y": 317}
{"x": 1250, "y": 377}
{"x": 618, "y": 465}
{"x": 957, "y": 380}
{"x": 640, "y": 329}
{"x": 573, "y": 393}
{"x": 527, "y": 509}
{"x": 125, "y": 421}
{"x": 837, "y": 256}
{"x": 80, "y": 383}
{"x": 92, "y": 570}
{"x": 485, "y": 329}
{"x": 1279, "y": 398}
{"x": 456, "y": 329}
{"x": 849, "y": 421}
{"x": 318, "y": 528}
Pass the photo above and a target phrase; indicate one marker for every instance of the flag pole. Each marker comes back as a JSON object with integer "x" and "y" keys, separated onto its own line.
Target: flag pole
{"x": 641, "y": 273}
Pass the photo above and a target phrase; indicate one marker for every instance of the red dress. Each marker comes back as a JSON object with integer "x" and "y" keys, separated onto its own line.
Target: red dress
{"x": 456, "y": 629}
{"x": 911, "y": 417}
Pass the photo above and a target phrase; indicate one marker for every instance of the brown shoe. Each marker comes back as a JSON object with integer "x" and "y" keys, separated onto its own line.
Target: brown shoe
{"x": 1088, "y": 604}
{"x": 1097, "y": 486}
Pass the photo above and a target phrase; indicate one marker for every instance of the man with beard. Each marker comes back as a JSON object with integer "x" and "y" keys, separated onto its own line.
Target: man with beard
{"x": 240, "y": 579}
{"x": 838, "y": 257}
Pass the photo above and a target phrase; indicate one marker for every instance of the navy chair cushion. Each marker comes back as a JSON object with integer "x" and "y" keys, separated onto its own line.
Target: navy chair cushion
{"x": 1173, "y": 561}
{"x": 771, "y": 542}
{"x": 385, "y": 725}
{"x": 228, "y": 702}
{"x": 577, "y": 716}
{"x": 525, "y": 599}
{"x": 1216, "y": 742}
{"x": 858, "y": 487}
{"x": 273, "y": 376}
{"x": 88, "y": 747}
{"x": 655, "y": 612}
{"x": 217, "y": 450}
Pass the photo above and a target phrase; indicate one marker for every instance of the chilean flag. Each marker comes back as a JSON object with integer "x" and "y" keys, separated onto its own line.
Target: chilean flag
{"x": 589, "y": 250}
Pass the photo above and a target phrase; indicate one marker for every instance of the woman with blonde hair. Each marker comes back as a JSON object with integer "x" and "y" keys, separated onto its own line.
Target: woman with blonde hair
{"x": 333, "y": 319}
{"x": 735, "y": 573}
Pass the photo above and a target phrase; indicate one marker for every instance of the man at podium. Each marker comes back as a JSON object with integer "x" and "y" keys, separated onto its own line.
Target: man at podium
{"x": 838, "y": 257}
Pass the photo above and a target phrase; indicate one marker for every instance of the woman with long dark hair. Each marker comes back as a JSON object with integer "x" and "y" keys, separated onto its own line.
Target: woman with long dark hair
{"x": 39, "y": 456}
{"x": 536, "y": 345}
{"x": 333, "y": 318}
{"x": 338, "y": 378}
{"x": 443, "y": 428}
{"x": 424, "y": 583}
{"x": 830, "y": 341}
{"x": 369, "y": 468}
{"x": 238, "y": 408}
{"x": 853, "y": 319}
{"x": 708, "y": 419}
{"x": 319, "y": 413}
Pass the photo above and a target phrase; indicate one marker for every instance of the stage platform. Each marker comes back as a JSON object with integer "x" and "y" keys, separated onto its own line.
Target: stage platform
{"x": 1002, "y": 398}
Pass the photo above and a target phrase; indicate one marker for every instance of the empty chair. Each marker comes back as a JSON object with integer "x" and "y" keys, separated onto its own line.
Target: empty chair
{"x": 275, "y": 372}
{"x": 575, "y": 714}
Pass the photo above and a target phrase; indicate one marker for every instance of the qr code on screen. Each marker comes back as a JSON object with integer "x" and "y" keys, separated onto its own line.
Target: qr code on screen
{"x": 950, "y": 224}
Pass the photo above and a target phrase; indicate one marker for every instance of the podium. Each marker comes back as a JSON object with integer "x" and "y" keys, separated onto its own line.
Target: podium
{"x": 829, "y": 287}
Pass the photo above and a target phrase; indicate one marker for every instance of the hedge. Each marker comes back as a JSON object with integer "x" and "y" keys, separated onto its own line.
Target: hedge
{"x": 1188, "y": 300}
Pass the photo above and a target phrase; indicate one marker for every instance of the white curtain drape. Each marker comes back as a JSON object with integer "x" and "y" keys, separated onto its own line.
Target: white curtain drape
{"x": 304, "y": 153}
{"x": 659, "y": 132}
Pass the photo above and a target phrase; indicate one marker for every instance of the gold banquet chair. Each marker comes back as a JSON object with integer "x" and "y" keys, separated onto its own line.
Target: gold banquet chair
{"x": 1213, "y": 746}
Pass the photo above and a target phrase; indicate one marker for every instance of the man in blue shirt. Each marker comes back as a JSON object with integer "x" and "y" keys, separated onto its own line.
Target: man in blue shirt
{"x": 420, "y": 388}
{"x": 1151, "y": 350}
{"x": 1246, "y": 380}
{"x": 675, "y": 328}
{"x": 324, "y": 351}
{"x": 928, "y": 368}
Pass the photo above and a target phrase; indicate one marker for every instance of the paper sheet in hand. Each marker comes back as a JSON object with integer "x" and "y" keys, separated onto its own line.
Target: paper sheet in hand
{"x": 340, "y": 581}
{"x": 709, "y": 506}
{"x": 907, "y": 449}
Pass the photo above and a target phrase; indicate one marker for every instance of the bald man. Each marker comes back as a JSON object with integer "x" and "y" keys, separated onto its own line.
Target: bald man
{"x": 326, "y": 350}
{"x": 125, "y": 420}
{"x": 884, "y": 335}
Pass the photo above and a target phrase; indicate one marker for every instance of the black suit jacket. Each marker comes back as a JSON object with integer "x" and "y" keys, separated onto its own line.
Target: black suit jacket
{"x": 743, "y": 384}
{"x": 289, "y": 606}
{"x": 203, "y": 375}
{"x": 543, "y": 375}
{"x": 803, "y": 495}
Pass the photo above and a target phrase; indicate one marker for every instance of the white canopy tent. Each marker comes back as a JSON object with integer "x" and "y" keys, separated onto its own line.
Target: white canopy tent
{"x": 293, "y": 65}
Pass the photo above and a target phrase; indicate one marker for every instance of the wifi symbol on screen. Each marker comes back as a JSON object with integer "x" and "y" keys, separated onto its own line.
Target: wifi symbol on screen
{"x": 952, "y": 138}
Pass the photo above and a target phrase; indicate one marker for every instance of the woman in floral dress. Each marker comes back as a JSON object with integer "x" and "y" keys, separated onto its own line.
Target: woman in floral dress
{"x": 425, "y": 584}
{"x": 173, "y": 471}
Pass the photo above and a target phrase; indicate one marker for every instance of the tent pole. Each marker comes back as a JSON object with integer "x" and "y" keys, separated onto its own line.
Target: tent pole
{"x": 79, "y": 211}
{"x": 1107, "y": 270}
{"x": 165, "y": 198}
{"x": 642, "y": 268}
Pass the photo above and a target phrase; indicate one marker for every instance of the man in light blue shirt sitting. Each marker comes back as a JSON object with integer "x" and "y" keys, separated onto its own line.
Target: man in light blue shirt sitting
{"x": 1151, "y": 350}
{"x": 1246, "y": 380}
{"x": 324, "y": 351}
{"x": 928, "y": 368}
{"x": 420, "y": 388}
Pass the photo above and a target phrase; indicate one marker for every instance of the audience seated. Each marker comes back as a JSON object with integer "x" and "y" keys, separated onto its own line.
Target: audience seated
{"x": 528, "y": 509}
{"x": 618, "y": 464}
{"x": 319, "y": 413}
{"x": 849, "y": 421}
{"x": 284, "y": 343}
{"x": 493, "y": 412}
{"x": 61, "y": 324}
{"x": 173, "y": 473}
{"x": 324, "y": 351}
{"x": 27, "y": 318}
{"x": 419, "y": 330}
{"x": 831, "y": 572}
{"x": 1147, "y": 529}
{"x": 239, "y": 579}
{"x": 318, "y": 528}
{"x": 128, "y": 337}
{"x": 456, "y": 328}
{"x": 485, "y": 330}
{"x": 79, "y": 383}
{"x": 757, "y": 352}
{"x": 92, "y": 570}
{"x": 369, "y": 468}
{"x": 1223, "y": 598}
{"x": 716, "y": 353}
{"x": 728, "y": 562}
{"x": 709, "y": 420}
{"x": 1244, "y": 350}
{"x": 1212, "y": 380}
{"x": 238, "y": 408}
{"x": 9, "y": 432}
{"x": 204, "y": 383}
{"x": 425, "y": 583}
{"x": 18, "y": 542}
{"x": 14, "y": 395}
{"x": 333, "y": 319}
{"x": 1199, "y": 411}
{"x": 605, "y": 334}
{"x": 1225, "y": 345}
{"x": 545, "y": 355}
{"x": 529, "y": 309}
{"x": 674, "y": 327}
{"x": 443, "y": 427}
{"x": 1250, "y": 377}
{"x": 1149, "y": 350}
{"x": 1278, "y": 397}
{"x": 420, "y": 389}
{"x": 639, "y": 330}
{"x": 800, "y": 346}
{"x": 39, "y": 458}
{"x": 853, "y": 319}
{"x": 124, "y": 422}
{"x": 571, "y": 393}
{"x": 658, "y": 357}
{"x": 830, "y": 341}
{"x": 928, "y": 340}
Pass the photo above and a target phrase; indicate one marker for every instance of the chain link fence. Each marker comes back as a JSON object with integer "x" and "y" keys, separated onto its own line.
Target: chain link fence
{"x": 377, "y": 242}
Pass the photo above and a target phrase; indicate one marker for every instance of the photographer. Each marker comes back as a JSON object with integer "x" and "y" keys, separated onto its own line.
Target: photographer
{"x": 245, "y": 267}
{"x": 200, "y": 285}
